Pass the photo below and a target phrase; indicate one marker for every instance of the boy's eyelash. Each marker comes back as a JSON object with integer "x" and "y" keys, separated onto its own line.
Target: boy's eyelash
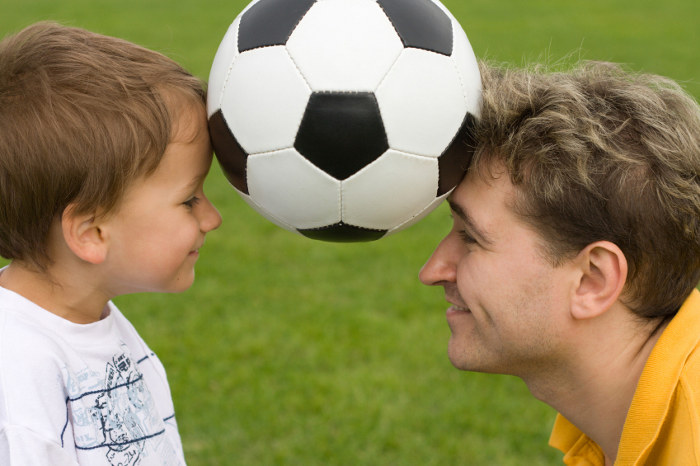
{"x": 191, "y": 202}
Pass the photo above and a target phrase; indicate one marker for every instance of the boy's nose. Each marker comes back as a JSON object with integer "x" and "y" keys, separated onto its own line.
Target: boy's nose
{"x": 211, "y": 218}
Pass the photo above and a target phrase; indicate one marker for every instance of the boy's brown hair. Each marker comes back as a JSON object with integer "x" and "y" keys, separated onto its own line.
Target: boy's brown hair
{"x": 599, "y": 153}
{"x": 82, "y": 115}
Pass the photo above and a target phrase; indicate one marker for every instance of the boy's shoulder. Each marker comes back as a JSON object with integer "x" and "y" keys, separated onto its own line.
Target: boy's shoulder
{"x": 35, "y": 360}
{"x": 41, "y": 352}
{"x": 32, "y": 382}
{"x": 25, "y": 335}
{"x": 35, "y": 341}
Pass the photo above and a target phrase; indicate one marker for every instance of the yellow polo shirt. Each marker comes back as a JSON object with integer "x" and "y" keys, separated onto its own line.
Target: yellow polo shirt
{"x": 663, "y": 424}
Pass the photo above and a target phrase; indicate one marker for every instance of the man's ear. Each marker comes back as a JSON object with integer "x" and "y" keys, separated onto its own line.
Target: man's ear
{"x": 603, "y": 272}
{"x": 84, "y": 235}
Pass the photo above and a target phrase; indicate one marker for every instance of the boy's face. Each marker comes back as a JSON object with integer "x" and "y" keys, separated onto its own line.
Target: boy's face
{"x": 155, "y": 235}
{"x": 508, "y": 301}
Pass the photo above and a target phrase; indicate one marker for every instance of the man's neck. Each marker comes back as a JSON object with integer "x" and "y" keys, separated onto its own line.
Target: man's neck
{"x": 596, "y": 391}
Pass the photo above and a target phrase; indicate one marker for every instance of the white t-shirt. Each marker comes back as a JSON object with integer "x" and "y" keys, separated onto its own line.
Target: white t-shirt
{"x": 74, "y": 394}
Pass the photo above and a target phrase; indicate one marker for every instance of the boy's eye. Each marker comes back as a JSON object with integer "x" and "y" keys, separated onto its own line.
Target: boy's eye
{"x": 191, "y": 202}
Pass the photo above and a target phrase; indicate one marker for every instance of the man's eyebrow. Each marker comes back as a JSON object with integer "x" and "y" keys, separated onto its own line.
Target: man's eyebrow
{"x": 469, "y": 222}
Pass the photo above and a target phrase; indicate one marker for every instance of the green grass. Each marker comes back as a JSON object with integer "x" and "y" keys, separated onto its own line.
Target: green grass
{"x": 294, "y": 352}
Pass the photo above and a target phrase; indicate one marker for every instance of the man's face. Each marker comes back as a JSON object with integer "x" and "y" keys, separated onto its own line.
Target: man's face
{"x": 508, "y": 301}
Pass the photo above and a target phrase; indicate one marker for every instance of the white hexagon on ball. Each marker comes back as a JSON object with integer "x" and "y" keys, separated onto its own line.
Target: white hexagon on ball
{"x": 262, "y": 83}
{"x": 221, "y": 68}
{"x": 468, "y": 68}
{"x": 304, "y": 195}
{"x": 424, "y": 122}
{"x": 410, "y": 181}
{"x": 420, "y": 215}
{"x": 359, "y": 29}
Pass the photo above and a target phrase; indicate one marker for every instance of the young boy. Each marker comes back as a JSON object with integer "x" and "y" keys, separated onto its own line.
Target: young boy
{"x": 103, "y": 153}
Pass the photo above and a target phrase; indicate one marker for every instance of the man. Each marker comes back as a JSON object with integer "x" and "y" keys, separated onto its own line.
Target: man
{"x": 574, "y": 256}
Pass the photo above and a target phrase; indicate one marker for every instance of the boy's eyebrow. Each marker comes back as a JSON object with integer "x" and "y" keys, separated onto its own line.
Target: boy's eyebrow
{"x": 197, "y": 180}
{"x": 469, "y": 222}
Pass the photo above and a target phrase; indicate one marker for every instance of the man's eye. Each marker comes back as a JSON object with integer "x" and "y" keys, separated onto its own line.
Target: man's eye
{"x": 466, "y": 237}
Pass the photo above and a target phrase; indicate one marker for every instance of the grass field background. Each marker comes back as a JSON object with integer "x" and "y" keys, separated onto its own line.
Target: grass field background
{"x": 294, "y": 352}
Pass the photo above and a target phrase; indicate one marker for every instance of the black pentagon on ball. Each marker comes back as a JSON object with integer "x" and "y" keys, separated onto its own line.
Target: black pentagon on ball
{"x": 270, "y": 22}
{"x": 229, "y": 152}
{"x": 343, "y": 233}
{"x": 341, "y": 132}
{"x": 453, "y": 162}
{"x": 420, "y": 24}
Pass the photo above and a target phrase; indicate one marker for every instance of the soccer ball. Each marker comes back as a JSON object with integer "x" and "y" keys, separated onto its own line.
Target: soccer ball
{"x": 343, "y": 120}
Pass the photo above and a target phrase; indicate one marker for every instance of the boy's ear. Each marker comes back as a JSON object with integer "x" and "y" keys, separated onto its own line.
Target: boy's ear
{"x": 84, "y": 235}
{"x": 603, "y": 272}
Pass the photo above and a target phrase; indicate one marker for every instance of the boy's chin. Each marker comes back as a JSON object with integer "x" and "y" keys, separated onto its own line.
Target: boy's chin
{"x": 179, "y": 284}
{"x": 182, "y": 286}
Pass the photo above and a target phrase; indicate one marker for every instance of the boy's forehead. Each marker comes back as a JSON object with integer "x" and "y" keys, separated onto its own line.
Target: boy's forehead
{"x": 189, "y": 122}
{"x": 188, "y": 151}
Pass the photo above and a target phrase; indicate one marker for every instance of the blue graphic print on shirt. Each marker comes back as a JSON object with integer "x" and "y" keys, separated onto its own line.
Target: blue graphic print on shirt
{"x": 114, "y": 412}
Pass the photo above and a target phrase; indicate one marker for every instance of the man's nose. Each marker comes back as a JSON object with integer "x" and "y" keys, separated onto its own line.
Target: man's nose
{"x": 442, "y": 266}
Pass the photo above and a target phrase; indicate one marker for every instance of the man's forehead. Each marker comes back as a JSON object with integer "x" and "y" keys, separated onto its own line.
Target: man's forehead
{"x": 494, "y": 180}
{"x": 481, "y": 199}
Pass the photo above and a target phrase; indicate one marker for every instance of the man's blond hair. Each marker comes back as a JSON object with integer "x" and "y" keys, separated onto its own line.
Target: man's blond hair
{"x": 600, "y": 153}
